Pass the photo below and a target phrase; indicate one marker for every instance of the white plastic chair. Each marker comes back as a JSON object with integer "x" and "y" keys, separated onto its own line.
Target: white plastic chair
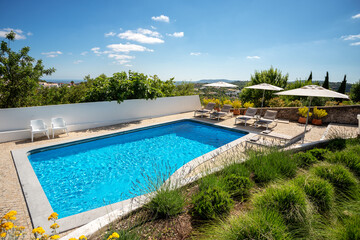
{"x": 38, "y": 126}
{"x": 58, "y": 124}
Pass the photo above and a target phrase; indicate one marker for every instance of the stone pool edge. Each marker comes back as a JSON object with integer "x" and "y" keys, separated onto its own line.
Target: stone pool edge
{"x": 39, "y": 207}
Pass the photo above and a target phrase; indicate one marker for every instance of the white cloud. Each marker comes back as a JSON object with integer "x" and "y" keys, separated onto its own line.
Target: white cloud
{"x": 128, "y": 48}
{"x": 84, "y": 53}
{"x": 110, "y": 34}
{"x": 128, "y": 65}
{"x": 121, "y": 62}
{"x": 78, "y": 61}
{"x": 120, "y": 56}
{"x": 142, "y": 36}
{"x": 29, "y": 34}
{"x": 152, "y": 27}
{"x": 97, "y": 52}
{"x": 356, "y": 16}
{"x": 52, "y": 54}
{"x": 350, "y": 37}
{"x": 253, "y": 57}
{"x": 195, "y": 54}
{"x": 19, "y": 33}
{"x": 355, "y": 44}
{"x": 176, "y": 34}
{"x": 161, "y": 18}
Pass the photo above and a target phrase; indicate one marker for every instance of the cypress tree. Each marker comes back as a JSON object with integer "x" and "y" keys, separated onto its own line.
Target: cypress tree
{"x": 310, "y": 77}
{"x": 342, "y": 87}
{"x": 326, "y": 82}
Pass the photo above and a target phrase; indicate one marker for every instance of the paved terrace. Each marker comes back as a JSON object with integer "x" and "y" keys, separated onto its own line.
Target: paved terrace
{"x": 11, "y": 196}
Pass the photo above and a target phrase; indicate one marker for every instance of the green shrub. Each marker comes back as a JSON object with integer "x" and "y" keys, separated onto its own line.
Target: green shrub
{"x": 341, "y": 178}
{"x": 349, "y": 158}
{"x": 289, "y": 201}
{"x": 211, "y": 203}
{"x": 319, "y": 191}
{"x": 123, "y": 235}
{"x": 319, "y": 153}
{"x": 271, "y": 166}
{"x": 166, "y": 203}
{"x": 353, "y": 141}
{"x": 262, "y": 224}
{"x": 304, "y": 159}
{"x": 238, "y": 186}
{"x": 336, "y": 144}
{"x": 210, "y": 181}
{"x": 238, "y": 169}
{"x": 350, "y": 229}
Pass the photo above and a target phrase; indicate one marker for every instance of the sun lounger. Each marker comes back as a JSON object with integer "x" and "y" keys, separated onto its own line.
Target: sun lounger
{"x": 269, "y": 117}
{"x": 58, "y": 124}
{"x": 250, "y": 114}
{"x": 276, "y": 140}
{"x": 38, "y": 126}
{"x": 208, "y": 109}
{"x": 225, "y": 110}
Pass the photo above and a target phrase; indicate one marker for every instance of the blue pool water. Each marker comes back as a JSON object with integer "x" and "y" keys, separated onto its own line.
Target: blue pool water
{"x": 80, "y": 177}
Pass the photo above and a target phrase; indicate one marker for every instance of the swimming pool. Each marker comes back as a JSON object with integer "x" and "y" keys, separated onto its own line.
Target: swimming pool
{"x": 91, "y": 174}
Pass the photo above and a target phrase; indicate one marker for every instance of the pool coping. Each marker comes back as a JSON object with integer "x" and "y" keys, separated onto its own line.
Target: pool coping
{"x": 39, "y": 207}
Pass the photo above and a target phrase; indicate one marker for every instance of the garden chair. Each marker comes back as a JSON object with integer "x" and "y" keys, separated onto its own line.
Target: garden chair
{"x": 38, "y": 126}
{"x": 276, "y": 140}
{"x": 250, "y": 114}
{"x": 58, "y": 124}
{"x": 269, "y": 117}
{"x": 206, "y": 110}
{"x": 225, "y": 110}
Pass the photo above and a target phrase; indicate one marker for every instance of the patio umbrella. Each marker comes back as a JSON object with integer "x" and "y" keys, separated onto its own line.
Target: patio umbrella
{"x": 220, "y": 84}
{"x": 265, "y": 86}
{"x": 312, "y": 91}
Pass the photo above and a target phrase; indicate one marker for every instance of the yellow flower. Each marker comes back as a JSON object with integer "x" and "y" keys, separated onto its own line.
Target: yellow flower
{"x": 53, "y": 216}
{"x": 54, "y": 226}
{"x": 114, "y": 235}
{"x": 38, "y": 230}
{"x": 7, "y": 225}
{"x": 55, "y": 237}
{"x": 82, "y": 237}
{"x": 3, "y": 235}
{"x": 44, "y": 237}
{"x": 10, "y": 215}
{"x": 72, "y": 239}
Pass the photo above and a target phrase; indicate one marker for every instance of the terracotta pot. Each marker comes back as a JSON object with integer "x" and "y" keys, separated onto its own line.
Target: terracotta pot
{"x": 317, "y": 121}
{"x": 217, "y": 109}
{"x": 236, "y": 112}
{"x": 302, "y": 120}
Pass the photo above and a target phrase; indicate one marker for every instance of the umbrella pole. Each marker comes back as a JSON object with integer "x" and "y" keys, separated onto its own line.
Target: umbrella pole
{"x": 262, "y": 103}
{"x": 307, "y": 118}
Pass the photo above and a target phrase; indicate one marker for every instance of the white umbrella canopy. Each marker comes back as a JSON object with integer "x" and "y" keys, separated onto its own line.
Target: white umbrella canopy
{"x": 312, "y": 91}
{"x": 265, "y": 86}
{"x": 220, "y": 84}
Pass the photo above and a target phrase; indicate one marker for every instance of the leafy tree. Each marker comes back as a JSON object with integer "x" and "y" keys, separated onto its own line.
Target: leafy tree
{"x": 122, "y": 86}
{"x": 185, "y": 88}
{"x": 355, "y": 92}
{"x": 19, "y": 75}
{"x": 326, "y": 82}
{"x": 310, "y": 77}
{"x": 271, "y": 76}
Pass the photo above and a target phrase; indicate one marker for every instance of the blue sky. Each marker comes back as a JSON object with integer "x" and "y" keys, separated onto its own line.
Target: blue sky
{"x": 189, "y": 39}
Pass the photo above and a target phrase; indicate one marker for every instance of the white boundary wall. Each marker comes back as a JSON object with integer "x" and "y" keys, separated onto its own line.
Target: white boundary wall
{"x": 15, "y": 122}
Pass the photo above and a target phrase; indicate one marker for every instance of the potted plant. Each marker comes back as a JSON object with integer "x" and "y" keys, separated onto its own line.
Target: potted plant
{"x": 247, "y": 105}
{"x": 205, "y": 101}
{"x": 303, "y": 114}
{"x": 318, "y": 114}
{"x": 217, "y": 104}
{"x": 236, "y": 105}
